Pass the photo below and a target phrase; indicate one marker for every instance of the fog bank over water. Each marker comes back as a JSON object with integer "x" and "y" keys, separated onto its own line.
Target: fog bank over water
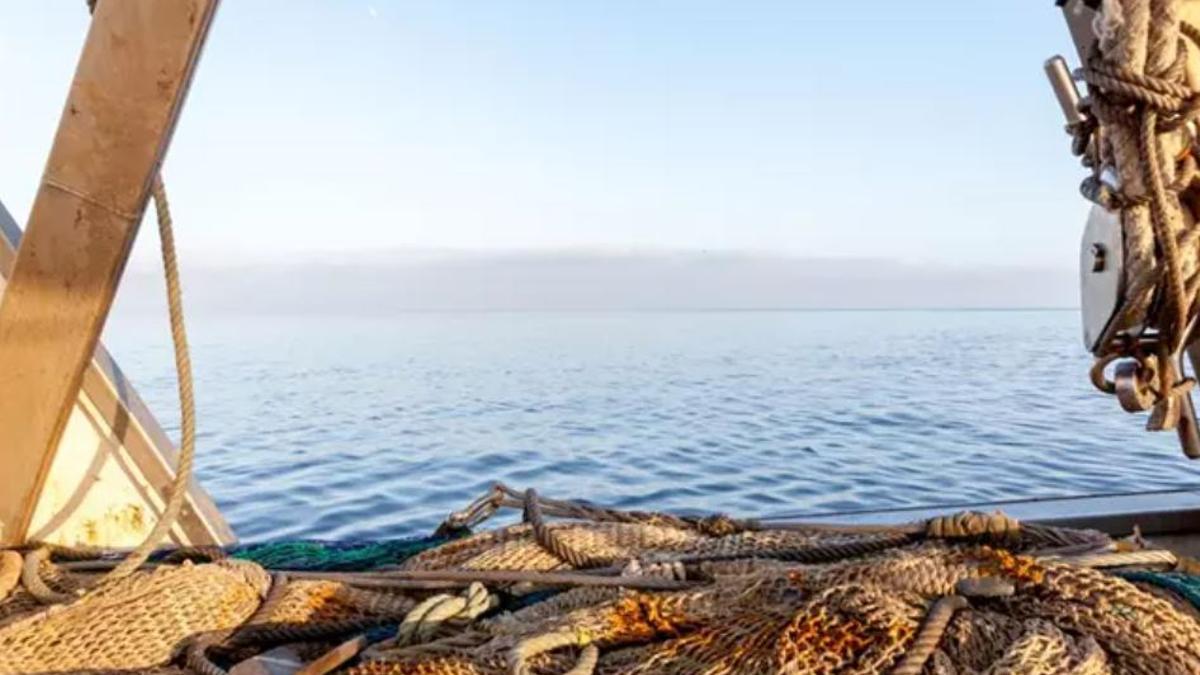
{"x": 381, "y": 283}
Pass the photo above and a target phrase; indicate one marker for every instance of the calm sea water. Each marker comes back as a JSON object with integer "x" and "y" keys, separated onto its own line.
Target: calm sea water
{"x": 341, "y": 427}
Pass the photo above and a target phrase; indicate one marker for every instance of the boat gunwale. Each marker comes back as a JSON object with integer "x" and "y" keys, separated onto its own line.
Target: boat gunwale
{"x": 134, "y": 426}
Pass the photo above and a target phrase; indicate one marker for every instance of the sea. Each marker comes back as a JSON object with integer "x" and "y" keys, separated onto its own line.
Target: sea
{"x": 348, "y": 427}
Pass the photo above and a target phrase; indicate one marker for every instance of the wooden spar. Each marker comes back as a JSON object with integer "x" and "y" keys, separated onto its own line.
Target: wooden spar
{"x": 128, "y": 89}
{"x": 84, "y": 500}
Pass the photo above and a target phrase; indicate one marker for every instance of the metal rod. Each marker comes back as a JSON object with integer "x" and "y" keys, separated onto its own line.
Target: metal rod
{"x": 1188, "y": 428}
{"x": 1064, "y": 89}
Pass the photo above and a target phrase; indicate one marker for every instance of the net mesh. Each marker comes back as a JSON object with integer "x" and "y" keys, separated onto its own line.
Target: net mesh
{"x": 645, "y": 593}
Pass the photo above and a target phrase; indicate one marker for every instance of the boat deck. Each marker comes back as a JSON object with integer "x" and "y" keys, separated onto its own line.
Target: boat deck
{"x": 1170, "y": 517}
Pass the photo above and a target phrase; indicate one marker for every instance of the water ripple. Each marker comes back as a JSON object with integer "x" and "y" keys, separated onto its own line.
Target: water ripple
{"x": 379, "y": 427}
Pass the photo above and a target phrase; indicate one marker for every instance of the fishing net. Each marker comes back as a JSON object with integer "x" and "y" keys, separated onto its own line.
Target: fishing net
{"x": 139, "y": 621}
{"x": 318, "y": 555}
{"x": 576, "y": 589}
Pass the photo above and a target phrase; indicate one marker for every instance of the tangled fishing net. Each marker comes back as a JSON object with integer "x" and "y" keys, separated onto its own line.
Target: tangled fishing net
{"x": 576, "y": 589}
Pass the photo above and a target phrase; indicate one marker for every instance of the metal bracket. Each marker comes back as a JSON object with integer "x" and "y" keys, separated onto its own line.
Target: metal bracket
{"x": 1079, "y": 15}
{"x": 1101, "y": 274}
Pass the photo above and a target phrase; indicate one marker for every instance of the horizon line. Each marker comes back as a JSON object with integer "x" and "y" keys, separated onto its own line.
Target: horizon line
{"x": 631, "y": 310}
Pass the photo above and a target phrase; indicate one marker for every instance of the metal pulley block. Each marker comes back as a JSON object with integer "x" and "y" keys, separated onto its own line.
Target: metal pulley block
{"x": 1101, "y": 274}
{"x": 1081, "y": 17}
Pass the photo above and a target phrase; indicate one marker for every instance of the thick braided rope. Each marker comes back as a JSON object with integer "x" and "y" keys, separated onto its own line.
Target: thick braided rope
{"x": 427, "y": 617}
{"x": 840, "y": 551}
{"x": 589, "y": 656}
{"x": 528, "y": 648}
{"x": 31, "y": 579}
{"x": 1121, "y": 559}
{"x": 550, "y": 541}
{"x": 929, "y": 635}
{"x": 714, "y": 525}
{"x": 196, "y": 651}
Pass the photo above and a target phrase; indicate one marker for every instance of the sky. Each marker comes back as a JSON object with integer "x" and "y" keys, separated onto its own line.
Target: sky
{"x": 921, "y": 132}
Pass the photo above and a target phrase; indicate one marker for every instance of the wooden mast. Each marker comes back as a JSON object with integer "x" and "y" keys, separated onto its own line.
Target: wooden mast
{"x": 128, "y": 89}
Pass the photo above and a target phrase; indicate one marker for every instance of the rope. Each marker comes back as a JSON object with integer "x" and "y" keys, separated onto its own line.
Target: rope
{"x": 203, "y": 554}
{"x": 539, "y": 644}
{"x": 970, "y": 524}
{"x": 423, "y": 620}
{"x": 717, "y": 525}
{"x": 1119, "y": 559}
{"x": 196, "y": 652}
{"x": 550, "y": 541}
{"x": 464, "y": 577}
{"x": 929, "y": 635}
{"x": 1140, "y": 101}
{"x": 589, "y": 656}
{"x": 31, "y": 579}
{"x": 967, "y": 524}
{"x": 996, "y": 527}
{"x": 714, "y": 525}
{"x": 187, "y": 405}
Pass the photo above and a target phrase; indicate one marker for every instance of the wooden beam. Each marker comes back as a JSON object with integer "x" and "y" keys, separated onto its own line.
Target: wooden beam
{"x": 133, "y": 428}
{"x": 126, "y": 95}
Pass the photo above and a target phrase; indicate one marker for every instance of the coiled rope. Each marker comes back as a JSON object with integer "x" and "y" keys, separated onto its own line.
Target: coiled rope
{"x": 1139, "y": 106}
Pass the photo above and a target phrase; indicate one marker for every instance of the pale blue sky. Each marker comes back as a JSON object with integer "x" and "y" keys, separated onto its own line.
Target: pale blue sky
{"x": 921, "y": 131}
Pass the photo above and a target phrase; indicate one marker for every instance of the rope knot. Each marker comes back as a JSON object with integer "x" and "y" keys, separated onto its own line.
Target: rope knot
{"x": 426, "y": 619}
{"x": 719, "y": 525}
{"x": 667, "y": 569}
{"x": 973, "y": 524}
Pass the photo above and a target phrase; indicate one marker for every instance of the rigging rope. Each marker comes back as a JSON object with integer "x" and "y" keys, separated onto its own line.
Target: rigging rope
{"x": 177, "y": 492}
{"x": 1137, "y": 115}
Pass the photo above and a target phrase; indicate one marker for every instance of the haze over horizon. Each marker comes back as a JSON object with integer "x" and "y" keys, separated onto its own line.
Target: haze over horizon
{"x": 586, "y": 280}
{"x": 713, "y": 152}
